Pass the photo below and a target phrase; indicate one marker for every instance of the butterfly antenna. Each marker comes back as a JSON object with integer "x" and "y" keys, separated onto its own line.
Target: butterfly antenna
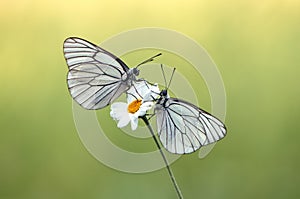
{"x": 148, "y": 60}
{"x": 171, "y": 78}
{"x": 163, "y": 72}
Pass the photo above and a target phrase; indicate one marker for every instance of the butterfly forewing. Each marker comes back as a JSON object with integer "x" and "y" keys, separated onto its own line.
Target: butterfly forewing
{"x": 95, "y": 75}
{"x": 184, "y": 128}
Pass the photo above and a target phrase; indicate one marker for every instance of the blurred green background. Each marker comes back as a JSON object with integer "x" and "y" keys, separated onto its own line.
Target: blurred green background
{"x": 256, "y": 46}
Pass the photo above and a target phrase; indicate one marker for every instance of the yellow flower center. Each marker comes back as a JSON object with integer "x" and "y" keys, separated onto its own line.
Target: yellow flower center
{"x": 134, "y": 106}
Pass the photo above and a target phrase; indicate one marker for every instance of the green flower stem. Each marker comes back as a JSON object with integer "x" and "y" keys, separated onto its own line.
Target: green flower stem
{"x": 144, "y": 118}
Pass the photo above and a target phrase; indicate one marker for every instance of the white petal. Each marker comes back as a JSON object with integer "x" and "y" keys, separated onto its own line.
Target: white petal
{"x": 146, "y": 106}
{"x": 134, "y": 121}
{"x": 123, "y": 121}
{"x": 119, "y": 112}
{"x": 139, "y": 113}
{"x": 118, "y": 109}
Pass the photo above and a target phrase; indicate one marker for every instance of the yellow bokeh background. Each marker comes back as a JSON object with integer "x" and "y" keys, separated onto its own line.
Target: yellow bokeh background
{"x": 255, "y": 45}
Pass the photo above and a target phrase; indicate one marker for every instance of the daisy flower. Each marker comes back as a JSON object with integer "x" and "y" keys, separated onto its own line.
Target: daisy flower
{"x": 140, "y": 99}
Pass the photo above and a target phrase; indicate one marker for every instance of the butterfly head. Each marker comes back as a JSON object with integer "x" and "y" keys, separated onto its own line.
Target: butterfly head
{"x": 164, "y": 93}
{"x": 163, "y": 97}
{"x": 131, "y": 75}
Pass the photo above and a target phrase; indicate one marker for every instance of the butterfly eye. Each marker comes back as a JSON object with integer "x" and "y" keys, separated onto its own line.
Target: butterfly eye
{"x": 164, "y": 93}
{"x": 136, "y": 71}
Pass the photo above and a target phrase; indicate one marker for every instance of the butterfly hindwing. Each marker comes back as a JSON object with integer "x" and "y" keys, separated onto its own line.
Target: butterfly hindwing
{"x": 184, "y": 128}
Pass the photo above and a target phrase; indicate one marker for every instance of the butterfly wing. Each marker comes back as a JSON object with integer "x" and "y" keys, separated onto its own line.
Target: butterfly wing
{"x": 95, "y": 75}
{"x": 184, "y": 128}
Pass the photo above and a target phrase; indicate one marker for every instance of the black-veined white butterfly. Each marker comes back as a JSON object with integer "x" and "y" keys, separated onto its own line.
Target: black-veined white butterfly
{"x": 96, "y": 77}
{"x": 183, "y": 127}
